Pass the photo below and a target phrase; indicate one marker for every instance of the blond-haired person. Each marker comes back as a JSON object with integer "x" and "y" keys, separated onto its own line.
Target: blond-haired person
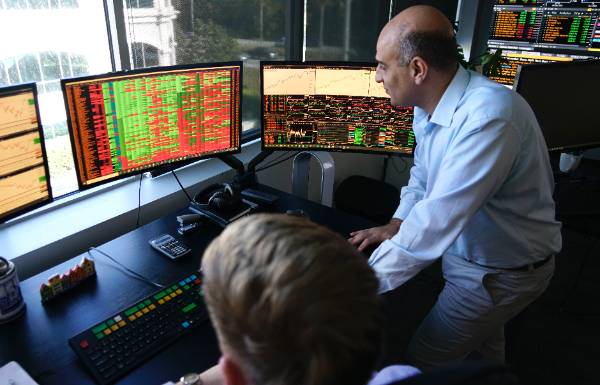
{"x": 292, "y": 303}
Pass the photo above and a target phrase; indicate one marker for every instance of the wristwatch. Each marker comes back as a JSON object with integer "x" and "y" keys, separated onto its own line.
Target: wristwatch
{"x": 191, "y": 379}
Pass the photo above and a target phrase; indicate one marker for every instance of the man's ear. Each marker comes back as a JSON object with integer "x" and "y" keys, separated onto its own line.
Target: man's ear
{"x": 232, "y": 372}
{"x": 418, "y": 70}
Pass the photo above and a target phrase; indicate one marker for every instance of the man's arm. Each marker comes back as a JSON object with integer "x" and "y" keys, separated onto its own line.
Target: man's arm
{"x": 375, "y": 235}
{"x": 474, "y": 167}
{"x": 410, "y": 195}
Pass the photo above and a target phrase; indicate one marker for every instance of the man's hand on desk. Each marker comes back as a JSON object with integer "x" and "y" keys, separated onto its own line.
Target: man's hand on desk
{"x": 375, "y": 235}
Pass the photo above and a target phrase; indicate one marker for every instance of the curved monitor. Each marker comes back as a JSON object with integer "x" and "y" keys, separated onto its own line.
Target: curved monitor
{"x": 125, "y": 123}
{"x": 24, "y": 175}
{"x": 563, "y": 97}
{"x": 331, "y": 106}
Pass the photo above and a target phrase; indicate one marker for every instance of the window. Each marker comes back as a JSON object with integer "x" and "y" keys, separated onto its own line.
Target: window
{"x": 37, "y": 4}
{"x": 344, "y": 29}
{"x": 29, "y": 69}
{"x": 200, "y": 31}
{"x": 140, "y": 3}
{"x": 53, "y": 40}
{"x": 50, "y": 65}
{"x": 144, "y": 55}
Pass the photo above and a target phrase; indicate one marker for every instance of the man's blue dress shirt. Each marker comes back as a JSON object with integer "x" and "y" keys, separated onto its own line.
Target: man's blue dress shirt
{"x": 480, "y": 188}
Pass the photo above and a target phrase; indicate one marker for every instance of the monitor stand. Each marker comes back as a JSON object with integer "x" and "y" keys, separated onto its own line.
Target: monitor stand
{"x": 244, "y": 178}
{"x": 300, "y": 175}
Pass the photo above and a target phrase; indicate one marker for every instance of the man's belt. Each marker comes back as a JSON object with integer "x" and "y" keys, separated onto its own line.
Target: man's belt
{"x": 528, "y": 267}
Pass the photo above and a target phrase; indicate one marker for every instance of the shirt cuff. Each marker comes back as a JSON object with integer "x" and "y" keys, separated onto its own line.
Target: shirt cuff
{"x": 394, "y": 266}
{"x": 392, "y": 374}
{"x": 404, "y": 208}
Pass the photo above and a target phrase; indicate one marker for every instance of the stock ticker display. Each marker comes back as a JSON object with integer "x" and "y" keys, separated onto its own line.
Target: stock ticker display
{"x": 544, "y": 31}
{"x": 123, "y": 124}
{"x": 333, "y": 108}
{"x": 23, "y": 166}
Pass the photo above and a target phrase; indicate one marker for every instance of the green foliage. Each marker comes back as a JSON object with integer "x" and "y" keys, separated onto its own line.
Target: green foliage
{"x": 209, "y": 43}
{"x": 241, "y": 17}
{"x": 490, "y": 63}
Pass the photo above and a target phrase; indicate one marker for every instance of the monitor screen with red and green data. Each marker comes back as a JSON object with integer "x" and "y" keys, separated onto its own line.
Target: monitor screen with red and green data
{"x": 126, "y": 123}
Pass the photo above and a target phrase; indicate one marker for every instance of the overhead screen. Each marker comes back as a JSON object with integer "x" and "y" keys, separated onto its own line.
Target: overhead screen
{"x": 543, "y": 31}
{"x": 24, "y": 176}
{"x": 331, "y": 107}
{"x": 126, "y": 123}
{"x": 567, "y": 116}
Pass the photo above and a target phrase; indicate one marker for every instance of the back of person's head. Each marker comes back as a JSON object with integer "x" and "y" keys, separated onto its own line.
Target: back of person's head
{"x": 437, "y": 48}
{"x": 426, "y": 32}
{"x": 292, "y": 302}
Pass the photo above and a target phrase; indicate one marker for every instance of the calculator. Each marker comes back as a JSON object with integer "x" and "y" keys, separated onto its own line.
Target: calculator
{"x": 169, "y": 246}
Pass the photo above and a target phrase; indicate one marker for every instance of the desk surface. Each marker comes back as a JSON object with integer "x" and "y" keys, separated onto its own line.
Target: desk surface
{"x": 38, "y": 339}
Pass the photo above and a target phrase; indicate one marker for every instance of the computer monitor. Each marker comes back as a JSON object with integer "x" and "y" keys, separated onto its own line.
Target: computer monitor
{"x": 331, "y": 107}
{"x": 563, "y": 97}
{"x": 24, "y": 175}
{"x": 125, "y": 123}
{"x": 542, "y": 31}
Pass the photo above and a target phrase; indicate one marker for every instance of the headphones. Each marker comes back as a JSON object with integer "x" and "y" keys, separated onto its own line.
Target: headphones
{"x": 219, "y": 196}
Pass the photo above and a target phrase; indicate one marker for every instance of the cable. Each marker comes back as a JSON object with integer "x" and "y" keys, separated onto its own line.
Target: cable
{"x": 274, "y": 163}
{"x": 131, "y": 272}
{"x": 180, "y": 185}
{"x": 137, "y": 221}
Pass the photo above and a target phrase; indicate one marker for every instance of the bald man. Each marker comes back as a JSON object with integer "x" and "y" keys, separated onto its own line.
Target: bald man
{"x": 479, "y": 194}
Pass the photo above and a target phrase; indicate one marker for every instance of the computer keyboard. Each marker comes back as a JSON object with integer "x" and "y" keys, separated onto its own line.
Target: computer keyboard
{"x": 115, "y": 346}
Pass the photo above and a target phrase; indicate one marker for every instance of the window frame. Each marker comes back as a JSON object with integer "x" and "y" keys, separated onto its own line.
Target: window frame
{"x": 295, "y": 39}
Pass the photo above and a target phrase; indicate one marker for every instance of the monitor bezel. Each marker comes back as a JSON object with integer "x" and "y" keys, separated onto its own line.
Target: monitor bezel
{"x": 144, "y": 71}
{"x": 16, "y": 89}
{"x": 534, "y": 67}
{"x": 349, "y": 64}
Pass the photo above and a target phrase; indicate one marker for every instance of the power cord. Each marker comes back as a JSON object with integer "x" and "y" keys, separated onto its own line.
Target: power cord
{"x": 276, "y": 161}
{"x": 278, "y": 157}
{"x": 180, "y": 185}
{"x": 137, "y": 221}
{"x": 128, "y": 270}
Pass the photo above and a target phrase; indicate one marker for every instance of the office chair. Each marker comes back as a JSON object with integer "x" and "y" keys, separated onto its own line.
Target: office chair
{"x": 367, "y": 197}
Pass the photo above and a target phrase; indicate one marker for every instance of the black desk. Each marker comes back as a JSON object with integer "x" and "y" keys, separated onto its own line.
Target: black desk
{"x": 38, "y": 339}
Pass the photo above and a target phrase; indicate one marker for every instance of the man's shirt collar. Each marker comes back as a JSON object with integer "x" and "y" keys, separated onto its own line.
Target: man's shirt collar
{"x": 444, "y": 111}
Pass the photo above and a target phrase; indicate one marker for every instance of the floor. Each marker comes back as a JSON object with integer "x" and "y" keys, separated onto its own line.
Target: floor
{"x": 556, "y": 340}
